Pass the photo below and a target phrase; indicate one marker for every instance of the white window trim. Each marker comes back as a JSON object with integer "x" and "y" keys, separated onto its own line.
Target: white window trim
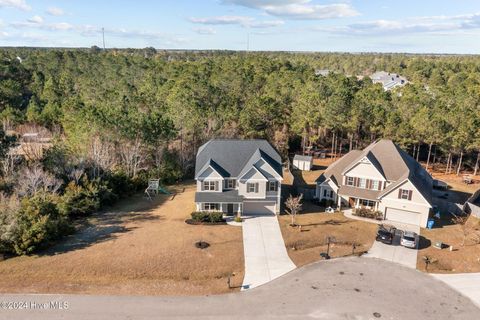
{"x": 255, "y": 187}
{"x": 404, "y": 196}
{"x": 352, "y": 184}
{"x": 274, "y": 184}
{"x": 207, "y": 185}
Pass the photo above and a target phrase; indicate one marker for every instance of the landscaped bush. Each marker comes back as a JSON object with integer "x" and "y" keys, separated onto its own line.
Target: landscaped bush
{"x": 36, "y": 224}
{"x": 203, "y": 216}
{"x": 368, "y": 213}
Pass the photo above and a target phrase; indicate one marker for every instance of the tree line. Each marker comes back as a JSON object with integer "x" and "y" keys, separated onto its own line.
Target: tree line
{"x": 119, "y": 117}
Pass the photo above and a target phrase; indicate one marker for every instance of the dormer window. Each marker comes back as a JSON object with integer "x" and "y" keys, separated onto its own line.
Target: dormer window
{"x": 362, "y": 183}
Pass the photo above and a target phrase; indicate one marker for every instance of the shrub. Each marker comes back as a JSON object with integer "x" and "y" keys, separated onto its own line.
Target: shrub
{"x": 368, "y": 213}
{"x": 38, "y": 222}
{"x": 238, "y": 219}
{"x": 86, "y": 198}
{"x": 203, "y": 216}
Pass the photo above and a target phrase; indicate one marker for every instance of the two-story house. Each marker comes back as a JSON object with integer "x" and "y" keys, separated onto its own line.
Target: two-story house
{"x": 238, "y": 177}
{"x": 381, "y": 177}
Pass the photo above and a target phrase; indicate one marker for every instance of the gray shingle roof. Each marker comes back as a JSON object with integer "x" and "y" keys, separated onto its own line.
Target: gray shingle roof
{"x": 232, "y": 155}
{"x": 226, "y": 196}
{"x": 394, "y": 163}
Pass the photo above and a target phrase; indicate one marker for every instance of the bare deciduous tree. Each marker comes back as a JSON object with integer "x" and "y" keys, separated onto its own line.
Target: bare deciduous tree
{"x": 102, "y": 155}
{"x": 133, "y": 156}
{"x": 33, "y": 179}
{"x": 294, "y": 205}
{"x": 470, "y": 230}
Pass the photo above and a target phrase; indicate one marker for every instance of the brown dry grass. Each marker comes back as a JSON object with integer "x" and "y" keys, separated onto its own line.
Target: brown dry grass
{"x": 138, "y": 247}
{"x": 462, "y": 259}
{"x": 305, "y": 246}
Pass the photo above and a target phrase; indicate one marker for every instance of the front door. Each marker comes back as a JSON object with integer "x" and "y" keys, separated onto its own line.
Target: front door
{"x": 230, "y": 208}
{"x": 351, "y": 202}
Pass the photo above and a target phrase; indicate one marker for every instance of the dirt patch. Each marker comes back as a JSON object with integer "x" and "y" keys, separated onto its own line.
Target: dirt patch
{"x": 462, "y": 259}
{"x": 305, "y": 244}
{"x": 139, "y": 247}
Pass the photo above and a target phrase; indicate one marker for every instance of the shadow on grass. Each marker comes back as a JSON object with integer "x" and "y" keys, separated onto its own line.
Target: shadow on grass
{"x": 423, "y": 243}
{"x": 331, "y": 222}
{"x": 108, "y": 225}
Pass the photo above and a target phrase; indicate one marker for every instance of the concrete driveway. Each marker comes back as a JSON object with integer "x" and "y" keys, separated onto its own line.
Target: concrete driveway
{"x": 337, "y": 289}
{"x": 266, "y": 257}
{"x": 467, "y": 284}
{"x": 395, "y": 252}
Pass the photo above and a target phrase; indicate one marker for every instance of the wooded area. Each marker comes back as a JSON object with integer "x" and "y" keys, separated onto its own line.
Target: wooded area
{"x": 119, "y": 117}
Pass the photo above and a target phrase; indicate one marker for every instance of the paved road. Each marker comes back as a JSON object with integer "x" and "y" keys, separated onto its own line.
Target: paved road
{"x": 395, "y": 252}
{"x": 266, "y": 257}
{"x": 352, "y": 288}
{"x": 466, "y": 283}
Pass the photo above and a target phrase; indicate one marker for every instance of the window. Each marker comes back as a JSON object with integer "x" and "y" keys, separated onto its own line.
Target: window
{"x": 374, "y": 185}
{"x": 350, "y": 181}
{"x": 367, "y": 203}
{"x": 211, "y": 206}
{"x": 331, "y": 194}
{"x": 272, "y": 186}
{"x": 405, "y": 194}
{"x": 230, "y": 183}
{"x": 252, "y": 187}
{"x": 209, "y": 185}
{"x": 324, "y": 192}
{"x": 362, "y": 183}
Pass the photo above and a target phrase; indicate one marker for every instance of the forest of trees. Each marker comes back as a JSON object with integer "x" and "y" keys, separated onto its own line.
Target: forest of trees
{"x": 119, "y": 117}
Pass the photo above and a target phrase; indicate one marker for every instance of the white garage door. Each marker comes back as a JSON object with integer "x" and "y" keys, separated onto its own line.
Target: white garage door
{"x": 265, "y": 207}
{"x": 403, "y": 216}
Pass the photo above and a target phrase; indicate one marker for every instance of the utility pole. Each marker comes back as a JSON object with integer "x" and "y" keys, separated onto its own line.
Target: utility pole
{"x": 103, "y": 37}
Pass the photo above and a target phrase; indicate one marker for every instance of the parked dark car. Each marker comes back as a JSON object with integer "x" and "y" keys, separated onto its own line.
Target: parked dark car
{"x": 385, "y": 234}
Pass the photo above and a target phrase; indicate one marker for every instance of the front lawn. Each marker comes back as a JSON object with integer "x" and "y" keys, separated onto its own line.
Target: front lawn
{"x": 138, "y": 248}
{"x": 462, "y": 259}
{"x": 305, "y": 245}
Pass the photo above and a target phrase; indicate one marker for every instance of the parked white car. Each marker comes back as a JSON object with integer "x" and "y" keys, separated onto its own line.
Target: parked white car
{"x": 409, "y": 240}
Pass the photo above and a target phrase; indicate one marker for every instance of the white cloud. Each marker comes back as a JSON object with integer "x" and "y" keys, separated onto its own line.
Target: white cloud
{"x": 35, "y": 19}
{"x": 243, "y": 21}
{"x": 298, "y": 9}
{"x": 204, "y": 30}
{"x": 54, "y": 11}
{"x": 18, "y": 4}
{"x": 432, "y": 24}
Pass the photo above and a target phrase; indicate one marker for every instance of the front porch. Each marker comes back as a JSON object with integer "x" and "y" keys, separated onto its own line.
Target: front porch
{"x": 228, "y": 208}
{"x": 362, "y": 203}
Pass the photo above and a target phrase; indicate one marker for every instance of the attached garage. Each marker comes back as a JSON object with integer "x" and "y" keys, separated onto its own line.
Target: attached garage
{"x": 403, "y": 216}
{"x": 259, "y": 207}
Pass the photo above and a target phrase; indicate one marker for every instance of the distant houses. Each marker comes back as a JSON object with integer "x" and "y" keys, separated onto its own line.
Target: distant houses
{"x": 322, "y": 72}
{"x": 388, "y": 80}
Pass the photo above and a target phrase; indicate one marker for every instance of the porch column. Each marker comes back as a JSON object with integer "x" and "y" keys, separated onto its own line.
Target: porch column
{"x": 339, "y": 202}
{"x": 357, "y": 202}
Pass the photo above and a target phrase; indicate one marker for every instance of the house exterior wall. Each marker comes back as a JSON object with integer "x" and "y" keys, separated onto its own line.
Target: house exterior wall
{"x": 365, "y": 170}
{"x": 210, "y": 175}
{"x": 416, "y": 204}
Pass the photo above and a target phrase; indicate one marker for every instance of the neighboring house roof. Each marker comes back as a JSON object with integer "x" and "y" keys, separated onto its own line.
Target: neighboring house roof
{"x": 390, "y": 160}
{"x": 388, "y": 80}
{"x": 303, "y": 158}
{"x": 226, "y": 196}
{"x": 235, "y": 156}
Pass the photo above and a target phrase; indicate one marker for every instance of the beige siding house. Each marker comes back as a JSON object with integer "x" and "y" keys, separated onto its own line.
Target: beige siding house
{"x": 381, "y": 177}
{"x": 238, "y": 177}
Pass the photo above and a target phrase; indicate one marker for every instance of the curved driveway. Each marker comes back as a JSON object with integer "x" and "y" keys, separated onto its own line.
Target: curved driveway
{"x": 351, "y": 288}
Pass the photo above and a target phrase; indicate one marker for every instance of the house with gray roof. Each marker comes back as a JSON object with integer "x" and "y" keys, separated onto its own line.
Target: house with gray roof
{"x": 238, "y": 177}
{"x": 388, "y": 80}
{"x": 381, "y": 177}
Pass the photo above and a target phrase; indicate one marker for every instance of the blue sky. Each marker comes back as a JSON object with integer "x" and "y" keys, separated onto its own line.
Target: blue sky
{"x": 441, "y": 26}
